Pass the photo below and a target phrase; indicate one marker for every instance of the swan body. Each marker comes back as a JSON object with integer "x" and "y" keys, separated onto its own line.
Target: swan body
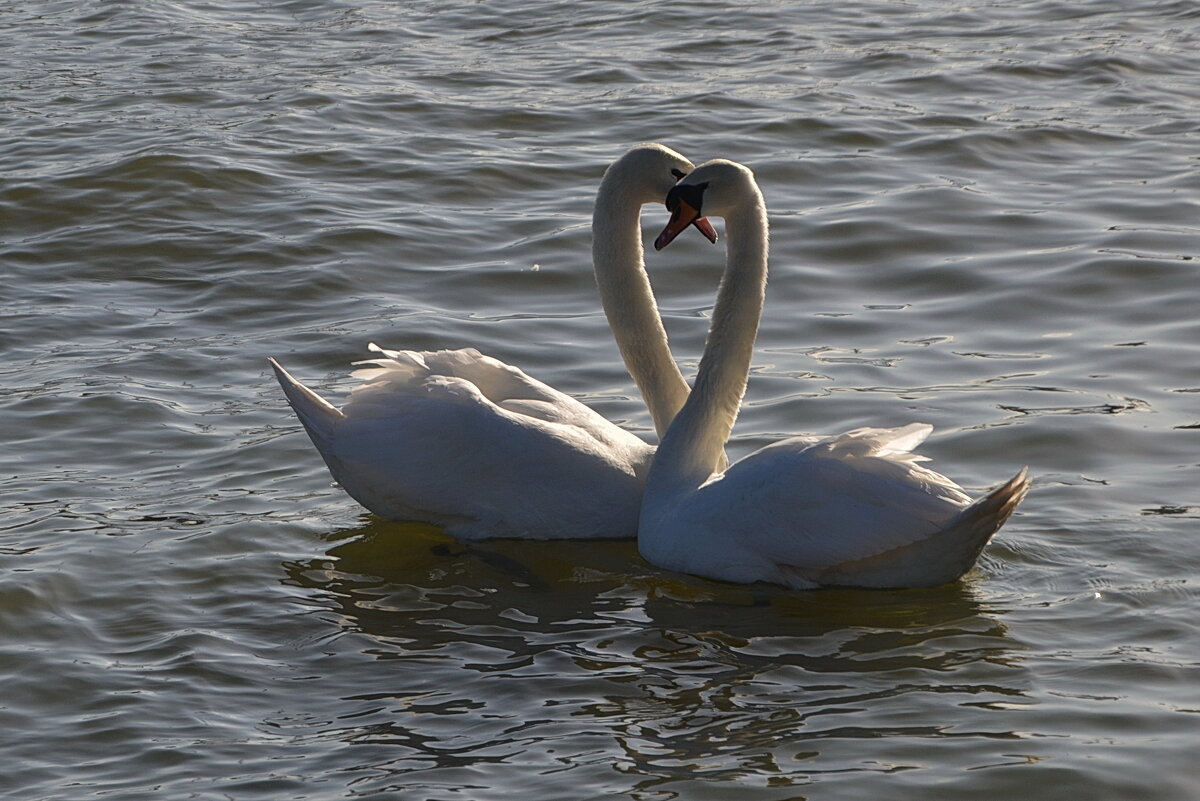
{"x": 854, "y": 509}
{"x": 464, "y": 441}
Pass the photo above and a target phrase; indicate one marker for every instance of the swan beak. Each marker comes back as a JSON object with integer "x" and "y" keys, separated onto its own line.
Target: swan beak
{"x": 705, "y": 227}
{"x": 685, "y": 214}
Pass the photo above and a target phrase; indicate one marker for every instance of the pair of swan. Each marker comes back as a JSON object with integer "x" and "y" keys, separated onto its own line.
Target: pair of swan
{"x": 464, "y": 441}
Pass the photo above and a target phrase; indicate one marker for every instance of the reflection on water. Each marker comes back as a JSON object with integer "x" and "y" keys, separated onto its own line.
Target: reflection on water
{"x": 507, "y": 648}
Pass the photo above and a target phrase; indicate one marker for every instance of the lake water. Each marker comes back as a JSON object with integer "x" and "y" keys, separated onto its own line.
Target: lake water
{"x": 984, "y": 217}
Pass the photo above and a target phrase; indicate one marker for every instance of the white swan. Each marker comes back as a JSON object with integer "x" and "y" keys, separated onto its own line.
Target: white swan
{"x": 464, "y": 441}
{"x": 855, "y": 509}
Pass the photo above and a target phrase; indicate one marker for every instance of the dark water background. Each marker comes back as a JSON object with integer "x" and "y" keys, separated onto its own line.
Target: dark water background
{"x": 984, "y": 217}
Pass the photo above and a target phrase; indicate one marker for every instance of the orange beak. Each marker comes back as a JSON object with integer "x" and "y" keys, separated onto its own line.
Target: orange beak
{"x": 683, "y": 216}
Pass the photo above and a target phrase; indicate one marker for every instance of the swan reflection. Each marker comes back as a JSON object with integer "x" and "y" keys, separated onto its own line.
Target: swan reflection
{"x": 542, "y": 652}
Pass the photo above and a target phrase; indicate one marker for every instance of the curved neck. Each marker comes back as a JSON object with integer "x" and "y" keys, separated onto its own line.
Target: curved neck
{"x": 629, "y": 303}
{"x": 693, "y": 447}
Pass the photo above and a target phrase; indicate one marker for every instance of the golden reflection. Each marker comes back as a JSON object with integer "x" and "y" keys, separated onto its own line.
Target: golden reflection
{"x": 683, "y": 678}
{"x": 383, "y": 566}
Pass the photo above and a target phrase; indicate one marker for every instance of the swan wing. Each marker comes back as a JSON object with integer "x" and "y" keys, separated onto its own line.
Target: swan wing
{"x": 940, "y": 558}
{"x": 421, "y": 439}
{"x": 813, "y": 505}
{"x": 499, "y": 384}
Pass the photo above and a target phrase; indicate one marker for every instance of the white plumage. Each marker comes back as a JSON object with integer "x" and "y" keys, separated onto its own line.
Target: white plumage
{"x": 854, "y": 509}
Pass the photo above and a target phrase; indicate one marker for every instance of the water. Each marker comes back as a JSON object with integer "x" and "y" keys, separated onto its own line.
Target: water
{"x": 984, "y": 217}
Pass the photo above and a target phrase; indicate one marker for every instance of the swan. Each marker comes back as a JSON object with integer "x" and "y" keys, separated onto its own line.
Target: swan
{"x": 856, "y": 509}
{"x": 466, "y": 442}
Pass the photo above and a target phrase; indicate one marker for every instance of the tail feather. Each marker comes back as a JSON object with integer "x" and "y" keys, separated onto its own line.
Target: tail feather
{"x": 318, "y": 415}
{"x": 941, "y": 558}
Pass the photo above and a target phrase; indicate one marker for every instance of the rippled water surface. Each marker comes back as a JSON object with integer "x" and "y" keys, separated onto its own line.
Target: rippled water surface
{"x": 984, "y": 217}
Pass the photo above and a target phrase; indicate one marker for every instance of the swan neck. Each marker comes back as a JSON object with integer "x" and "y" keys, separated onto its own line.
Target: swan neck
{"x": 628, "y": 299}
{"x": 693, "y": 448}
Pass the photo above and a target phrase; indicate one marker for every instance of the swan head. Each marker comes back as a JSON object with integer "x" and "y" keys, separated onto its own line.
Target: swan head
{"x": 714, "y": 188}
{"x": 645, "y": 174}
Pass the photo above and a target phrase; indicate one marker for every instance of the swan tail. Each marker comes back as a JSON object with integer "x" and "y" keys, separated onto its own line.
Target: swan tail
{"x": 318, "y": 415}
{"x": 940, "y": 558}
{"x": 973, "y": 528}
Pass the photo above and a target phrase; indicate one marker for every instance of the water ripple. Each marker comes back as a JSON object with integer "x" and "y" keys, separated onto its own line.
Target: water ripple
{"x": 980, "y": 219}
